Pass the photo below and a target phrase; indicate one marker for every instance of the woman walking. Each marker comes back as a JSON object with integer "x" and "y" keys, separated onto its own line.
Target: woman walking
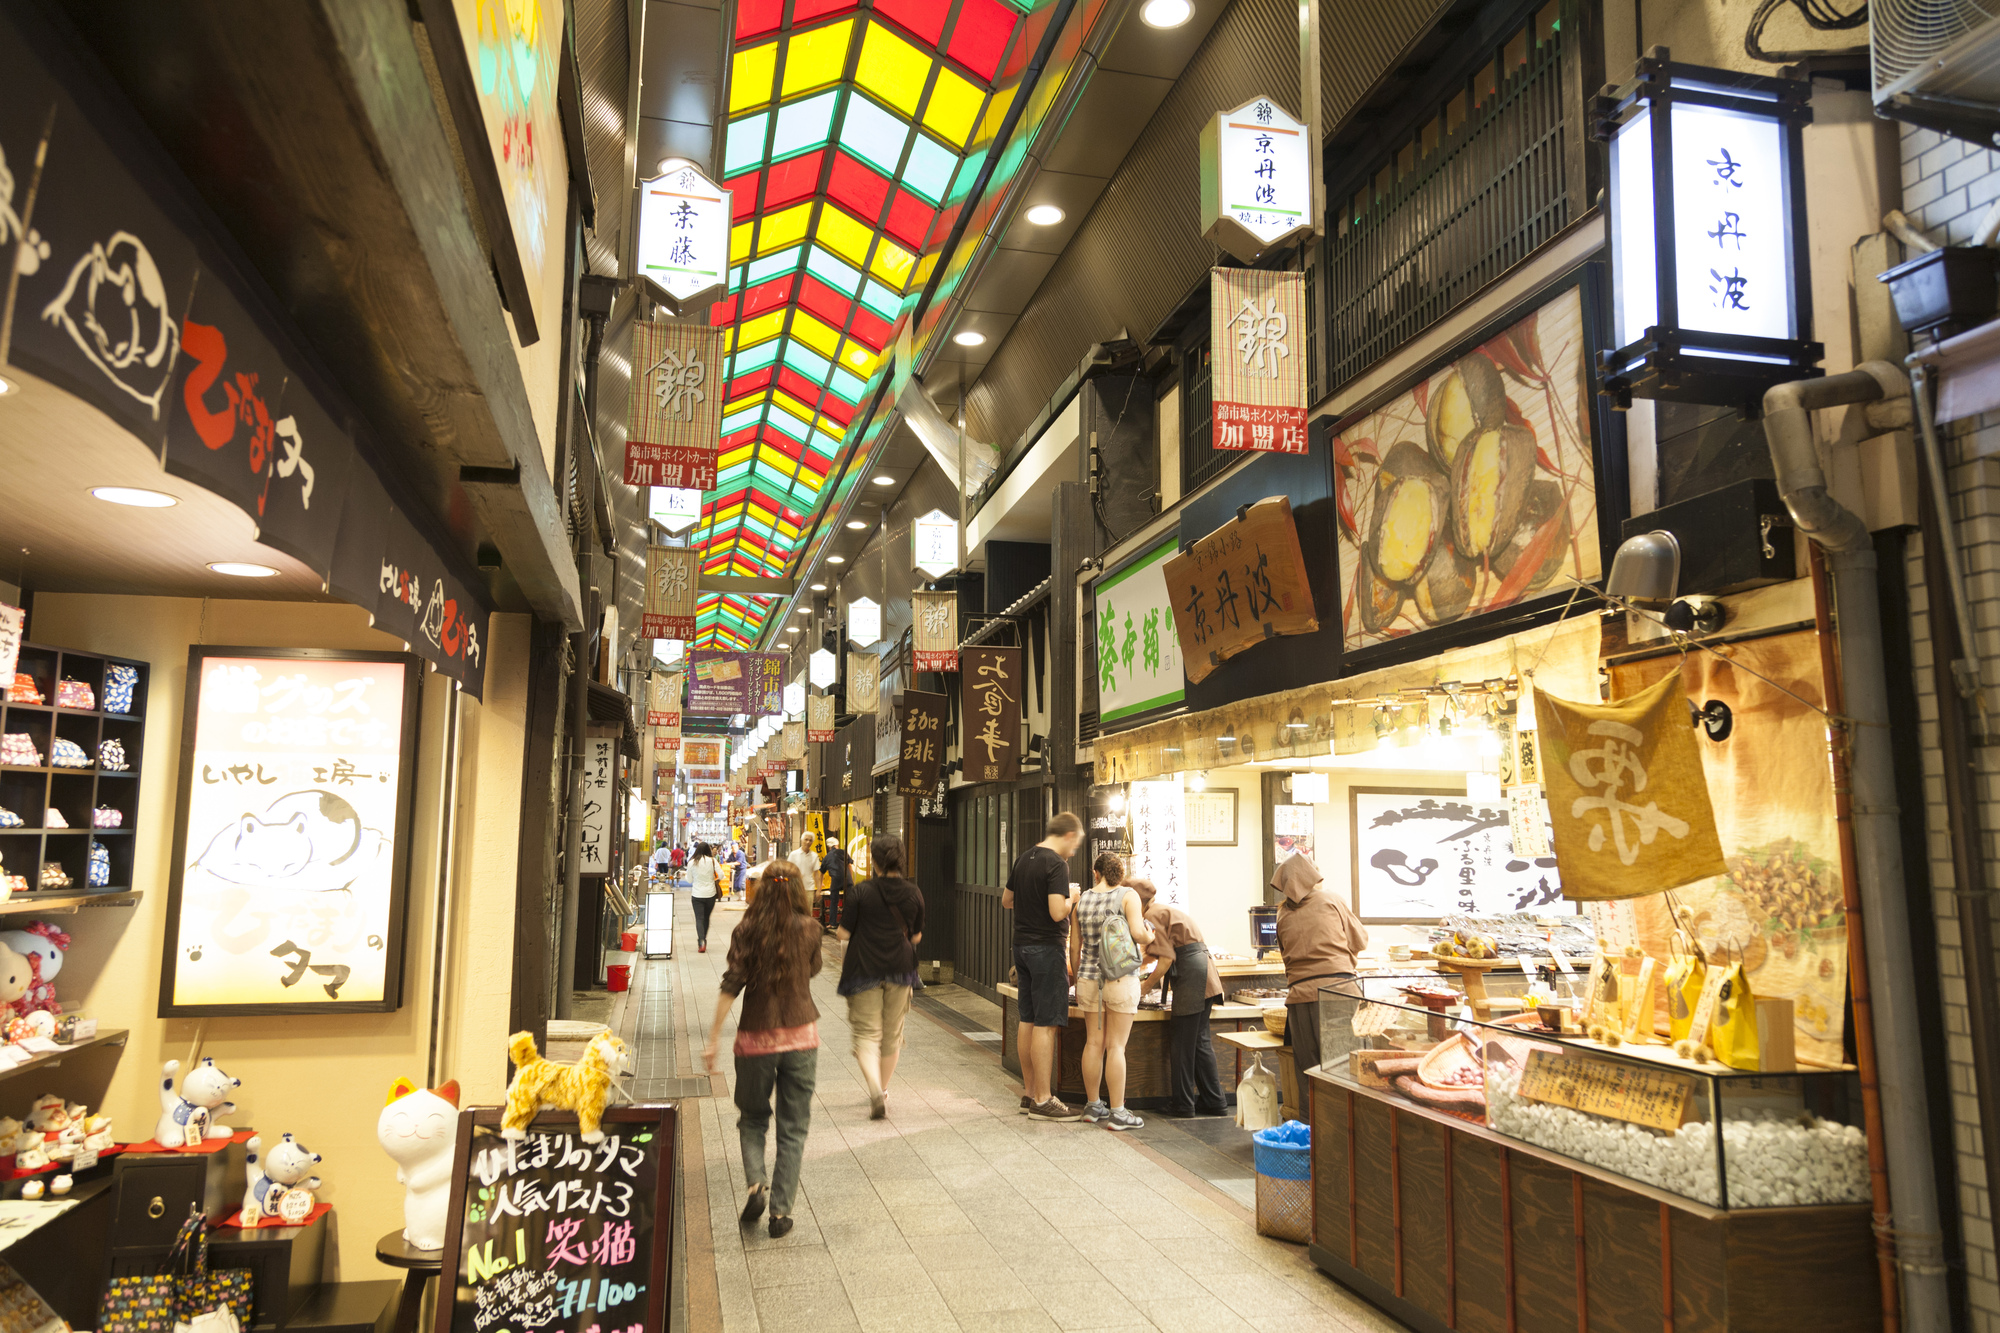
{"x": 772, "y": 958}
{"x": 882, "y": 922}
{"x": 701, "y": 891}
{"x": 1109, "y": 997}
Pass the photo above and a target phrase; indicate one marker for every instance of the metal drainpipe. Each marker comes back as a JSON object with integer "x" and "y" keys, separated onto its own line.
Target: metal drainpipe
{"x": 1956, "y": 680}
{"x": 1905, "y": 1122}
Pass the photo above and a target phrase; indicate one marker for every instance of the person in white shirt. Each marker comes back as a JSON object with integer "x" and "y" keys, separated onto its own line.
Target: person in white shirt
{"x": 702, "y": 882}
{"x": 807, "y": 860}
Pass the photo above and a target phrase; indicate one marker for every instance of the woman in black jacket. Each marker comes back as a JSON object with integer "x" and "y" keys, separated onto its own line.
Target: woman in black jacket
{"x": 882, "y": 922}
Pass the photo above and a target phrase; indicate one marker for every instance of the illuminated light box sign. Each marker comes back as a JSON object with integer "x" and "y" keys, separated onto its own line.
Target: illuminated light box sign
{"x": 1256, "y": 178}
{"x": 287, "y": 891}
{"x": 684, "y": 233}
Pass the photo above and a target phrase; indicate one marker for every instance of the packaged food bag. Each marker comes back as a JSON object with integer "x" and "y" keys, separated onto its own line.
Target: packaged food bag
{"x": 1732, "y": 1032}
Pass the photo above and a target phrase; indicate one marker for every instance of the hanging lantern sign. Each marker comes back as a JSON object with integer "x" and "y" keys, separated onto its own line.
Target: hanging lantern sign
{"x": 864, "y": 622}
{"x": 795, "y": 697}
{"x": 683, "y": 233}
{"x": 934, "y": 631}
{"x": 1710, "y": 292}
{"x": 674, "y": 508}
{"x": 822, "y": 668}
{"x": 934, "y": 543}
{"x": 1256, "y": 179}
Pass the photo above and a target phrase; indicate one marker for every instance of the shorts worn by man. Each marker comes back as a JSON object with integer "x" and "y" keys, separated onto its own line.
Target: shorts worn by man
{"x": 1039, "y": 894}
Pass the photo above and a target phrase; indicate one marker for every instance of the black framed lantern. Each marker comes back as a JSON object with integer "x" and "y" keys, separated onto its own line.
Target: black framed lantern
{"x": 1710, "y": 284}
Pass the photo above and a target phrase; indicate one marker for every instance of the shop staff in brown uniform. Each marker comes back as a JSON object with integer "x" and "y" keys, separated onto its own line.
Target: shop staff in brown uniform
{"x": 1320, "y": 936}
{"x": 1177, "y": 943}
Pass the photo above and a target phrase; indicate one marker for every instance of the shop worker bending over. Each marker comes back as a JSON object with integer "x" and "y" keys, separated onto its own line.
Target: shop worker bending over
{"x": 1182, "y": 953}
{"x": 1320, "y": 937}
{"x": 1039, "y": 895}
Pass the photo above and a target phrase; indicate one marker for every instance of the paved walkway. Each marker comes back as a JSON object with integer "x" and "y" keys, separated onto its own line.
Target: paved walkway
{"x": 956, "y": 1212}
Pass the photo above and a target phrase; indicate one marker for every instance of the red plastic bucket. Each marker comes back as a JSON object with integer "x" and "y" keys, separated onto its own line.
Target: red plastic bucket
{"x": 628, "y": 941}
{"x": 618, "y": 976}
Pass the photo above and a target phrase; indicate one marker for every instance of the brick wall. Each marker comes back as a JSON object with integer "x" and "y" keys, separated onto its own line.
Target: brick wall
{"x": 1948, "y": 186}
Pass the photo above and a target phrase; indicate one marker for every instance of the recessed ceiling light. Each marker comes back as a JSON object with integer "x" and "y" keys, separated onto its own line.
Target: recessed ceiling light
{"x": 819, "y": 587}
{"x": 885, "y": 480}
{"x": 857, "y": 524}
{"x": 836, "y": 560}
{"x": 132, "y": 495}
{"x": 242, "y": 569}
{"x": 791, "y": 629}
{"x": 1166, "y": 13}
{"x": 968, "y": 338}
{"x": 6, "y": 385}
{"x": 805, "y": 610}
{"x": 1045, "y": 215}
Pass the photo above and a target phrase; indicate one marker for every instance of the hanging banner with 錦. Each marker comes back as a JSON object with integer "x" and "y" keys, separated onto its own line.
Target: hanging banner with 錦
{"x": 663, "y": 704}
{"x": 819, "y": 718}
{"x": 922, "y": 750}
{"x": 990, "y": 704}
{"x": 1257, "y": 323}
{"x": 675, "y": 407}
{"x": 864, "y": 681}
{"x": 1243, "y": 583}
{"x": 934, "y": 630}
{"x": 670, "y": 589}
{"x": 1628, "y": 804}
{"x": 795, "y": 740}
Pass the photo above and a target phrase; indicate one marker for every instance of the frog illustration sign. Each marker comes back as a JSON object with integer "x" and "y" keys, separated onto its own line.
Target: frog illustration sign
{"x": 291, "y": 835}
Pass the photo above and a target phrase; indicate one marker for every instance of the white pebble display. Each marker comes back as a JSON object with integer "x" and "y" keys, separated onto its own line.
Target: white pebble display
{"x": 1773, "y": 1161}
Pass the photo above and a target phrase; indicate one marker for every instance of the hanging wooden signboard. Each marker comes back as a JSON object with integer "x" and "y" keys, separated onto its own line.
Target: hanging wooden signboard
{"x": 1243, "y": 583}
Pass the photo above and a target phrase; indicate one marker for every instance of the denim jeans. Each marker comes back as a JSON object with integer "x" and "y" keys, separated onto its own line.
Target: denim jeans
{"x": 790, "y": 1075}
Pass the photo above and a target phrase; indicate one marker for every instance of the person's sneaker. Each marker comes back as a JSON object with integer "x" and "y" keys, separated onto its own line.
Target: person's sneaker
{"x": 1027, "y": 1103}
{"x": 1095, "y": 1112}
{"x": 1053, "y": 1109}
{"x": 1123, "y": 1119}
{"x": 878, "y": 1107}
{"x": 781, "y": 1227}
{"x": 753, "y": 1206}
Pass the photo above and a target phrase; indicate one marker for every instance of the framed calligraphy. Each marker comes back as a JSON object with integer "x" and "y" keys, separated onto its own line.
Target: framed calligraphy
{"x": 1421, "y": 853}
{"x": 1240, "y": 585}
{"x": 288, "y": 888}
{"x": 990, "y": 713}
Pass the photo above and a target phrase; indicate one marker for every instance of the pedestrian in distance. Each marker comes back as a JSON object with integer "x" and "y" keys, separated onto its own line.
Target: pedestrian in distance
{"x": 1107, "y": 930}
{"x": 881, "y": 922}
{"x": 773, "y": 957}
{"x": 1040, "y": 896}
{"x": 702, "y": 888}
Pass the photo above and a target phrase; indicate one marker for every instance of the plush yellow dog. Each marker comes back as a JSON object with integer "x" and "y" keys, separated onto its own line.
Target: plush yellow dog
{"x": 582, "y": 1087}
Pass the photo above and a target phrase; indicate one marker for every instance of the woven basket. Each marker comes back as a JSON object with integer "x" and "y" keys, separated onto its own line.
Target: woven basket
{"x": 1274, "y": 1020}
{"x": 1284, "y": 1209}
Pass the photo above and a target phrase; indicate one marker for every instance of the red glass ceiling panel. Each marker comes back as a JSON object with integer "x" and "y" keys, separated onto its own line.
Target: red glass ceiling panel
{"x": 792, "y": 179}
{"x": 777, "y": 442}
{"x": 758, "y": 16}
{"x": 856, "y": 188}
{"x": 803, "y": 10}
{"x": 743, "y": 200}
{"x": 767, "y": 295}
{"x": 922, "y": 17}
{"x": 980, "y": 37}
{"x": 798, "y": 386}
{"x": 731, "y": 443}
{"x": 909, "y": 219}
{"x": 834, "y": 406}
{"x": 723, "y": 311}
{"x": 742, "y": 384}
{"x": 823, "y": 301}
{"x": 871, "y": 330}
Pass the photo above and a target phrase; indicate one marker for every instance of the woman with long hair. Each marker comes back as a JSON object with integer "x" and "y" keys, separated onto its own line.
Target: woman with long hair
{"x": 772, "y": 959}
{"x": 882, "y": 921}
{"x": 702, "y": 891}
{"x": 1109, "y": 1002}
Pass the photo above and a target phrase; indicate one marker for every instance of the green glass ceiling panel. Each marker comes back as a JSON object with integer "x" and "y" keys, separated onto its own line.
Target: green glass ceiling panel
{"x": 835, "y": 273}
{"x": 756, "y": 358}
{"x": 847, "y": 386}
{"x": 881, "y": 300}
{"x": 874, "y": 135}
{"x": 806, "y": 361}
{"x": 743, "y": 146}
{"x": 804, "y": 125}
{"x": 772, "y": 265}
{"x": 736, "y": 421}
{"x": 930, "y": 167}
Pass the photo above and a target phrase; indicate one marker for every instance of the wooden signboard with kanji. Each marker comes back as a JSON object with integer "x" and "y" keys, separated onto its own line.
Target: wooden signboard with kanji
{"x": 923, "y": 739}
{"x": 1243, "y": 583}
{"x": 1637, "y": 1094}
{"x": 990, "y": 690}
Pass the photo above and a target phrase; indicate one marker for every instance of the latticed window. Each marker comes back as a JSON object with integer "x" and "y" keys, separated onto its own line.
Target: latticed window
{"x": 1199, "y": 461}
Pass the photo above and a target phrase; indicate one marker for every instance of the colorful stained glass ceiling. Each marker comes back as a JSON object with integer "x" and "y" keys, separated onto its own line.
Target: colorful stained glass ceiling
{"x": 855, "y": 129}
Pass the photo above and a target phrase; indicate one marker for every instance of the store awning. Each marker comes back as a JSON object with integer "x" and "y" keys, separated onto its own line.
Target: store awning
{"x": 1968, "y": 372}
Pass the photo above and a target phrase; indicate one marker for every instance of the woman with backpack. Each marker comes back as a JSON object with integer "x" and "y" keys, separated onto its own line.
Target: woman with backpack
{"x": 772, "y": 958}
{"x": 881, "y": 922}
{"x": 1107, "y": 929}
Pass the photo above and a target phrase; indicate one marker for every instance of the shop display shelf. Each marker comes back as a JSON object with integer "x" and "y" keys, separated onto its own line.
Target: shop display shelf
{"x": 104, "y": 1037}
{"x": 67, "y": 900}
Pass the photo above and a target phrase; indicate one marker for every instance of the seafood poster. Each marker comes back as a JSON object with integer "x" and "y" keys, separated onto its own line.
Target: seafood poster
{"x": 292, "y": 836}
{"x": 1475, "y": 489}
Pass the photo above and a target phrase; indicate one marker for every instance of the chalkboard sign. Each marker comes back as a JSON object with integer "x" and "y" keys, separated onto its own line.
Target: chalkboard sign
{"x": 549, "y": 1234}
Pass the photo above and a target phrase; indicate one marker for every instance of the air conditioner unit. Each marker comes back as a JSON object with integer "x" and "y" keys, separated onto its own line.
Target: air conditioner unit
{"x": 1937, "y": 64}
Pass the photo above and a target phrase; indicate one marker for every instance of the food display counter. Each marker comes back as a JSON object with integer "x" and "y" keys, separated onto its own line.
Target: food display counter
{"x": 1495, "y": 1175}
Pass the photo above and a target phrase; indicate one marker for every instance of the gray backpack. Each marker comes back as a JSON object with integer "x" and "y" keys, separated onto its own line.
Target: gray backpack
{"x": 1117, "y": 955}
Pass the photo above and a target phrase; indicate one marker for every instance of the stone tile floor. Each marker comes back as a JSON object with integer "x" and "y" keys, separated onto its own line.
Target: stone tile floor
{"x": 956, "y": 1212}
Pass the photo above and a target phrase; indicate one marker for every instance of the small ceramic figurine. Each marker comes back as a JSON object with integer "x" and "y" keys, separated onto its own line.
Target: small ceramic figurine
{"x": 582, "y": 1087}
{"x": 188, "y": 1118}
{"x": 62, "y": 1184}
{"x": 51, "y": 1114}
{"x": 280, "y": 1186}
{"x": 97, "y": 1132}
{"x": 32, "y": 1190}
{"x": 416, "y": 1129}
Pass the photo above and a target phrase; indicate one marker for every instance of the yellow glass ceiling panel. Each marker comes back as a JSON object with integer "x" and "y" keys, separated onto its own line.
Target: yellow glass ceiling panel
{"x": 814, "y": 59}
{"x": 764, "y": 326}
{"x": 892, "y": 69}
{"x": 796, "y": 409}
{"x": 735, "y": 456}
{"x": 828, "y": 426}
{"x": 954, "y": 105}
{"x": 815, "y": 334}
{"x": 892, "y": 264}
{"x": 783, "y": 229}
{"x": 844, "y": 236}
{"x": 750, "y": 75}
{"x": 730, "y": 409}
{"x": 857, "y": 358}
{"x": 740, "y": 238}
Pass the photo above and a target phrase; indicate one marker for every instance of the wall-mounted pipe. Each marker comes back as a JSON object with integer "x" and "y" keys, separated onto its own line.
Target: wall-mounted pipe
{"x": 1910, "y": 1229}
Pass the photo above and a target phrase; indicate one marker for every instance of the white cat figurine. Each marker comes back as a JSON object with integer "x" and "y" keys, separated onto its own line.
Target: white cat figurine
{"x": 189, "y": 1116}
{"x": 276, "y": 1176}
{"x": 418, "y": 1129}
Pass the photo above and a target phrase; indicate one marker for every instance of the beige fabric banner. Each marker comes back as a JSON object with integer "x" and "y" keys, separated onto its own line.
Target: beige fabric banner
{"x": 671, "y": 573}
{"x": 819, "y": 718}
{"x": 794, "y": 740}
{"x": 864, "y": 679}
{"x": 1628, "y": 802}
{"x": 934, "y": 630}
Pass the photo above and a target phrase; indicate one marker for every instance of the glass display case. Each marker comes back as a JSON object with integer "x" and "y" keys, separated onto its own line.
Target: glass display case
{"x": 1633, "y": 1107}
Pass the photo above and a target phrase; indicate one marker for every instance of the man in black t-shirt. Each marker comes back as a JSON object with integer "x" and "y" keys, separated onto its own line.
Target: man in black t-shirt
{"x": 1040, "y": 895}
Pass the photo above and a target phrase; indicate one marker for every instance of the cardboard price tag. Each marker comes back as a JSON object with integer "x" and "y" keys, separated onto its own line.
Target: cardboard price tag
{"x": 1527, "y": 823}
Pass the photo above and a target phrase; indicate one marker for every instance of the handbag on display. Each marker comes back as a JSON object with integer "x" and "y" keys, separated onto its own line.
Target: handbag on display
{"x": 111, "y": 755}
{"x": 105, "y": 816}
{"x": 198, "y": 1292}
{"x": 8, "y": 819}
{"x": 119, "y": 682}
{"x": 23, "y": 690}
{"x": 53, "y": 818}
{"x": 18, "y": 748}
{"x": 54, "y": 876}
{"x": 138, "y": 1305}
{"x": 98, "y": 873}
{"x": 74, "y": 694}
{"x": 66, "y": 753}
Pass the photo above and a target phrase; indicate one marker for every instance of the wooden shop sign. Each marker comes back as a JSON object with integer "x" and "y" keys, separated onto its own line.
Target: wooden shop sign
{"x": 1637, "y": 1094}
{"x": 1243, "y": 583}
{"x": 923, "y": 739}
{"x": 990, "y": 688}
